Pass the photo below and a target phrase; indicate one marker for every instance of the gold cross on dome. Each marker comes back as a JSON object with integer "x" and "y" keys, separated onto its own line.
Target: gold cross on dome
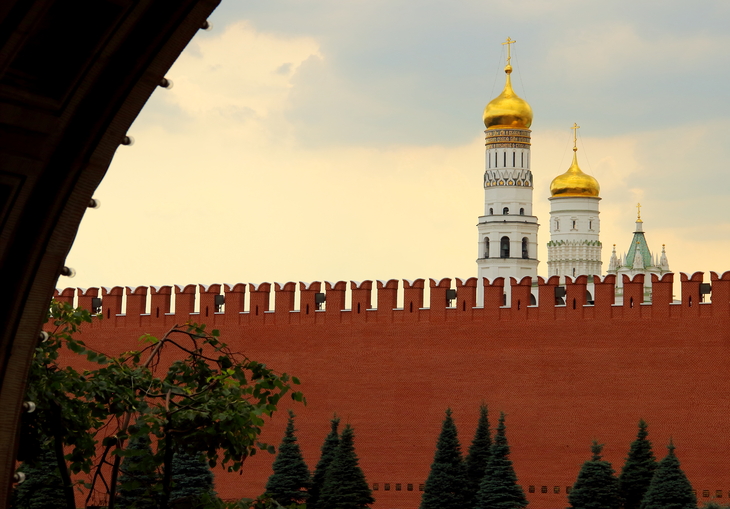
{"x": 575, "y": 136}
{"x": 638, "y": 213}
{"x": 508, "y": 43}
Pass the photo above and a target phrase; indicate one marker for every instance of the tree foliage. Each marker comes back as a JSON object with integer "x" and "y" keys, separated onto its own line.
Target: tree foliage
{"x": 499, "y": 488}
{"x": 192, "y": 479}
{"x": 43, "y": 487}
{"x": 446, "y": 484}
{"x": 478, "y": 457}
{"x": 596, "y": 486}
{"x": 669, "y": 487}
{"x": 69, "y": 408}
{"x": 210, "y": 399}
{"x": 138, "y": 476}
{"x": 638, "y": 470}
{"x": 329, "y": 449}
{"x": 713, "y": 504}
{"x": 291, "y": 479}
{"x": 345, "y": 486}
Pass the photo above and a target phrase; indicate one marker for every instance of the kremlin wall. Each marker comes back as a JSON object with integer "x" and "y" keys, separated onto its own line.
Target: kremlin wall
{"x": 570, "y": 359}
{"x": 563, "y": 374}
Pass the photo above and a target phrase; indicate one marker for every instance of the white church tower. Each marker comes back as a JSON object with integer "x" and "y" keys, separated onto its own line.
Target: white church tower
{"x": 574, "y": 248}
{"x": 507, "y": 230}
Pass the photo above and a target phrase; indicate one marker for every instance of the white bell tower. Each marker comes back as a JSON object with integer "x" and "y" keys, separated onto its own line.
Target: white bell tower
{"x": 507, "y": 245}
{"x": 574, "y": 248}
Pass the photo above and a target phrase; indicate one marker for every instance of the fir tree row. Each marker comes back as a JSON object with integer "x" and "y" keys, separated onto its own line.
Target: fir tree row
{"x": 139, "y": 483}
{"x": 643, "y": 484}
{"x": 485, "y": 479}
{"x": 338, "y": 481}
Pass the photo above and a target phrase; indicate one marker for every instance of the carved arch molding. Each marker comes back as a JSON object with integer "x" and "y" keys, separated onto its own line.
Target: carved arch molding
{"x": 74, "y": 75}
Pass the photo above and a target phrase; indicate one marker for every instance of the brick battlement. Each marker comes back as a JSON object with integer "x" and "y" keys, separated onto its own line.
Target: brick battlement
{"x": 391, "y": 356}
{"x": 132, "y": 311}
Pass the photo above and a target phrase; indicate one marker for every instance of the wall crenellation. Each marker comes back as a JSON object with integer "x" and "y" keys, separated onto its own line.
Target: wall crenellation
{"x": 448, "y": 300}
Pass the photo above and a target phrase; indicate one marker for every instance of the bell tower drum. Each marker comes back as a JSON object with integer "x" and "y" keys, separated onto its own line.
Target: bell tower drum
{"x": 507, "y": 230}
{"x": 574, "y": 248}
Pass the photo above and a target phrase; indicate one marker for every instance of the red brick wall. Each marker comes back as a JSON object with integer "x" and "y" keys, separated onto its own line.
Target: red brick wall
{"x": 563, "y": 375}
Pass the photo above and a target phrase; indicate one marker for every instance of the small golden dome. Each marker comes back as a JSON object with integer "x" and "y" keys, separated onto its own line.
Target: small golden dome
{"x": 574, "y": 182}
{"x": 508, "y": 110}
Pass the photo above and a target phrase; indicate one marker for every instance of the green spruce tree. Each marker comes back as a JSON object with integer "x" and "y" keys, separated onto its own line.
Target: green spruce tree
{"x": 499, "y": 488}
{"x": 43, "y": 487}
{"x": 138, "y": 477}
{"x": 476, "y": 460}
{"x": 669, "y": 488}
{"x": 345, "y": 486}
{"x": 192, "y": 478}
{"x": 638, "y": 470}
{"x": 291, "y": 479}
{"x": 329, "y": 449}
{"x": 596, "y": 486}
{"x": 446, "y": 485}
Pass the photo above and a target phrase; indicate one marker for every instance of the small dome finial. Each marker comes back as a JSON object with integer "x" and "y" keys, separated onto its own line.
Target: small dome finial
{"x": 574, "y": 182}
{"x": 508, "y": 110}
{"x": 638, "y": 213}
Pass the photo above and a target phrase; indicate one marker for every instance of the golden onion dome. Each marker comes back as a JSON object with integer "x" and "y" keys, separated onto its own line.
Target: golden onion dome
{"x": 508, "y": 110}
{"x": 574, "y": 182}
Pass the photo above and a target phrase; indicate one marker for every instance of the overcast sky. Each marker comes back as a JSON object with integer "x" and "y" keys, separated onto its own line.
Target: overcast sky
{"x": 329, "y": 140}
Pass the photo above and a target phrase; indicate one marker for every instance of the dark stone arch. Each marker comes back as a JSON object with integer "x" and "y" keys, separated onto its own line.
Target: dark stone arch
{"x": 65, "y": 105}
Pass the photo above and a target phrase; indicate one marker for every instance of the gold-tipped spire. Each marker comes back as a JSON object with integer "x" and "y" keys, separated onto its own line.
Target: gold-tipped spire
{"x": 574, "y": 182}
{"x": 508, "y": 110}
{"x": 638, "y": 213}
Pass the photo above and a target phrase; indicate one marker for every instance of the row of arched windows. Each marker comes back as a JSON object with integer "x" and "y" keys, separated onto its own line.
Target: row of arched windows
{"x": 504, "y": 159}
{"x": 505, "y": 211}
{"x": 504, "y": 247}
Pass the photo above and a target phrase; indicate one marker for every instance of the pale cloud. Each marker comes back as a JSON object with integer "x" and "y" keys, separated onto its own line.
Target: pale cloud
{"x": 238, "y": 213}
{"x": 609, "y": 51}
{"x": 335, "y": 143}
{"x": 236, "y": 197}
{"x": 240, "y": 68}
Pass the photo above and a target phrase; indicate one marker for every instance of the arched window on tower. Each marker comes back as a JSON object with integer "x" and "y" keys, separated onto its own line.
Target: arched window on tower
{"x": 524, "y": 248}
{"x": 557, "y": 224}
{"x": 522, "y": 211}
{"x": 504, "y": 159}
{"x": 514, "y": 159}
{"x": 505, "y": 211}
{"x": 491, "y": 211}
{"x": 504, "y": 248}
{"x": 486, "y": 247}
